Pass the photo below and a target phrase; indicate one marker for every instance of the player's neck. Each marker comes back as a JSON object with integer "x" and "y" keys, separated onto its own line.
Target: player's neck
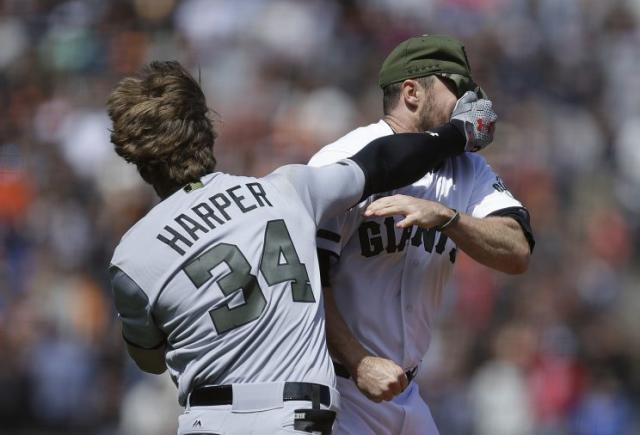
{"x": 400, "y": 124}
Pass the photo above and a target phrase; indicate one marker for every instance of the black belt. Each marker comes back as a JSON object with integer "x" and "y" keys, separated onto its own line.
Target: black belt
{"x": 215, "y": 395}
{"x": 344, "y": 373}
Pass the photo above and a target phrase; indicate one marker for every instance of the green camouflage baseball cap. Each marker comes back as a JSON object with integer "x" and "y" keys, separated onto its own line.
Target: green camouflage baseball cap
{"x": 427, "y": 55}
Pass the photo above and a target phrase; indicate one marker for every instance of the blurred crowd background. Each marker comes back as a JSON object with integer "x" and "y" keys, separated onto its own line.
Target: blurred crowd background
{"x": 555, "y": 351}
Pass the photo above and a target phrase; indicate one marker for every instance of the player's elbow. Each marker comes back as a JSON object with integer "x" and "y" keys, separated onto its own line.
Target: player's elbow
{"x": 154, "y": 366}
{"x": 518, "y": 261}
{"x": 155, "y": 369}
{"x": 149, "y": 360}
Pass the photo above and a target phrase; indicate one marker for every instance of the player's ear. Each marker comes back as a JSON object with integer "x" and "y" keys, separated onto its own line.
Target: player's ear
{"x": 410, "y": 92}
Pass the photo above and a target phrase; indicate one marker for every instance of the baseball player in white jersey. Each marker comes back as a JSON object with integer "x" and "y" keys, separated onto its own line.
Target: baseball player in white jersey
{"x": 219, "y": 282}
{"x": 383, "y": 275}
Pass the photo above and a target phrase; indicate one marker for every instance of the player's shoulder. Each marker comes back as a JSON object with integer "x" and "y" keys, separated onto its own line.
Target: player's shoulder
{"x": 468, "y": 158}
{"x": 286, "y": 176}
{"x": 350, "y": 143}
{"x": 131, "y": 238}
{"x": 468, "y": 164}
{"x": 126, "y": 260}
{"x": 134, "y": 250}
{"x": 465, "y": 169}
{"x": 292, "y": 181}
{"x": 133, "y": 247}
{"x": 476, "y": 159}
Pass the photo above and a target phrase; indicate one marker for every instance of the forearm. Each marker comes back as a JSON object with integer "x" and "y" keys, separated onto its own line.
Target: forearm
{"x": 149, "y": 360}
{"x": 377, "y": 378}
{"x": 342, "y": 344}
{"x": 391, "y": 162}
{"x": 496, "y": 242}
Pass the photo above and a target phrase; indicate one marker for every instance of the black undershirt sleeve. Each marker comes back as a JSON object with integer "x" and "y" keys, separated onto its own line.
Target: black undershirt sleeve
{"x": 391, "y": 162}
{"x": 325, "y": 259}
{"x": 520, "y": 215}
{"x": 131, "y": 343}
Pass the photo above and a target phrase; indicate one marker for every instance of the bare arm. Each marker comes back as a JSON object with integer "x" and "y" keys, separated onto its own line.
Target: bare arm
{"x": 496, "y": 242}
{"x": 343, "y": 346}
{"x": 377, "y": 378}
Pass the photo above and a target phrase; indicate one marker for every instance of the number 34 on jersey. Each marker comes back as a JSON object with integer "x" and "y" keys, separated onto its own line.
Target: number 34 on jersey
{"x": 277, "y": 245}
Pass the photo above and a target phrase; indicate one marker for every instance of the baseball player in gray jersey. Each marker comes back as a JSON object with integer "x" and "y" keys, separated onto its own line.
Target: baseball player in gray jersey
{"x": 384, "y": 274}
{"x": 219, "y": 282}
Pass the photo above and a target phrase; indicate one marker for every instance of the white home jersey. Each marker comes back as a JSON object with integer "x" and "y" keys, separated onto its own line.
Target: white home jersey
{"x": 388, "y": 281}
{"x": 225, "y": 272}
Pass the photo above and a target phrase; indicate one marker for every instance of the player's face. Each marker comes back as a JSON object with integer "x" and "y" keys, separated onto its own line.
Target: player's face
{"x": 438, "y": 104}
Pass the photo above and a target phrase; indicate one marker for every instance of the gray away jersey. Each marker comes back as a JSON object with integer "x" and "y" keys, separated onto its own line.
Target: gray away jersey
{"x": 227, "y": 275}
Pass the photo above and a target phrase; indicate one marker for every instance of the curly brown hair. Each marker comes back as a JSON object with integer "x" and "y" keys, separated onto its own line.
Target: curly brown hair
{"x": 162, "y": 124}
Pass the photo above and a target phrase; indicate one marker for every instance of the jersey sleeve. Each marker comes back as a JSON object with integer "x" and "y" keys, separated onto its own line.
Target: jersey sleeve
{"x": 325, "y": 191}
{"x": 132, "y": 304}
{"x": 489, "y": 193}
{"x": 328, "y": 156}
{"x": 335, "y": 231}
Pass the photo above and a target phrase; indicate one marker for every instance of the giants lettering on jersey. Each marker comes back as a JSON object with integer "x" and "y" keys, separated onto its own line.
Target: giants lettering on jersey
{"x": 212, "y": 213}
{"x": 376, "y": 238}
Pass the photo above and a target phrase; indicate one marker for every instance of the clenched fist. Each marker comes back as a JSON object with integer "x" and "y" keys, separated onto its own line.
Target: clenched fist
{"x": 379, "y": 378}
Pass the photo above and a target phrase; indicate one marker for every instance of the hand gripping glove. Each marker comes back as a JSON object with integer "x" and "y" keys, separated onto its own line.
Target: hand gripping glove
{"x": 475, "y": 119}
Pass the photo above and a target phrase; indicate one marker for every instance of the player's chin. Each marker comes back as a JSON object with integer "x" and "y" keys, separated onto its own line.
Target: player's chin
{"x": 444, "y": 116}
